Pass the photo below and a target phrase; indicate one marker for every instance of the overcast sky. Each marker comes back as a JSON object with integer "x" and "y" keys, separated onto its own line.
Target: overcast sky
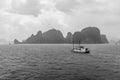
{"x": 20, "y": 18}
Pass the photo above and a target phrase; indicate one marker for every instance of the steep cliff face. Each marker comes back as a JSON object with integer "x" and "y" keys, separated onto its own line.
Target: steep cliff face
{"x": 69, "y": 37}
{"x": 104, "y": 38}
{"x": 39, "y": 37}
{"x": 91, "y": 35}
{"x": 53, "y": 36}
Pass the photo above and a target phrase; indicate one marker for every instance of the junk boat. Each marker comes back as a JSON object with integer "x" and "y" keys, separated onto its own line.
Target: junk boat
{"x": 80, "y": 49}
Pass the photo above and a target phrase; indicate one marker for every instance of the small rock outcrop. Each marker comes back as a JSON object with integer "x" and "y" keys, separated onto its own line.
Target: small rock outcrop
{"x": 69, "y": 37}
{"x": 16, "y": 41}
{"x": 104, "y": 39}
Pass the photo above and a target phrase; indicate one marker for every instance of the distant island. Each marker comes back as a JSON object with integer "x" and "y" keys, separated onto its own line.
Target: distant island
{"x": 89, "y": 35}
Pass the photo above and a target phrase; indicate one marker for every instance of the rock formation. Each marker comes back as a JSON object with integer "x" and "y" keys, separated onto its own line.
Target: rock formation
{"x": 69, "y": 37}
{"x": 104, "y": 39}
{"x": 16, "y": 41}
{"x": 90, "y": 35}
{"x": 53, "y": 36}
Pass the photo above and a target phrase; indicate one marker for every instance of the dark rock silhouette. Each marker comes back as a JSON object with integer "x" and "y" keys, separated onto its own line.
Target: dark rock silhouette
{"x": 31, "y": 39}
{"x": 53, "y": 36}
{"x": 104, "y": 39}
{"x": 69, "y": 37}
{"x": 16, "y": 41}
{"x": 36, "y": 39}
{"x": 39, "y": 37}
{"x": 91, "y": 35}
{"x": 77, "y": 37}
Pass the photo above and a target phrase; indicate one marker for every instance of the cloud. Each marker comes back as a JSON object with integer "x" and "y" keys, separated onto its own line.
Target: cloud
{"x": 4, "y": 4}
{"x": 28, "y": 7}
{"x": 66, "y": 5}
{"x": 21, "y": 26}
{"x": 21, "y": 18}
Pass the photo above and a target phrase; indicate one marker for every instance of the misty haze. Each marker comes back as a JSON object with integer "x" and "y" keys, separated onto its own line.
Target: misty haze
{"x": 59, "y": 40}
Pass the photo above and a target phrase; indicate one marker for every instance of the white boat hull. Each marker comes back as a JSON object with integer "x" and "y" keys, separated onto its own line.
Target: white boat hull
{"x": 80, "y": 51}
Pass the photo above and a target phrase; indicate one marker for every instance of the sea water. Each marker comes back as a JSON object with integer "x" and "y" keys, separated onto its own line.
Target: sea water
{"x": 57, "y": 62}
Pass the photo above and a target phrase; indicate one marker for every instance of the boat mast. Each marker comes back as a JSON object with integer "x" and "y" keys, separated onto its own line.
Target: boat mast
{"x": 79, "y": 43}
{"x": 73, "y": 42}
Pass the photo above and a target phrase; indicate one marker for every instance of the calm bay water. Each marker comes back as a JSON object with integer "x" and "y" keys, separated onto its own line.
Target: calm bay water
{"x": 57, "y": 62}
